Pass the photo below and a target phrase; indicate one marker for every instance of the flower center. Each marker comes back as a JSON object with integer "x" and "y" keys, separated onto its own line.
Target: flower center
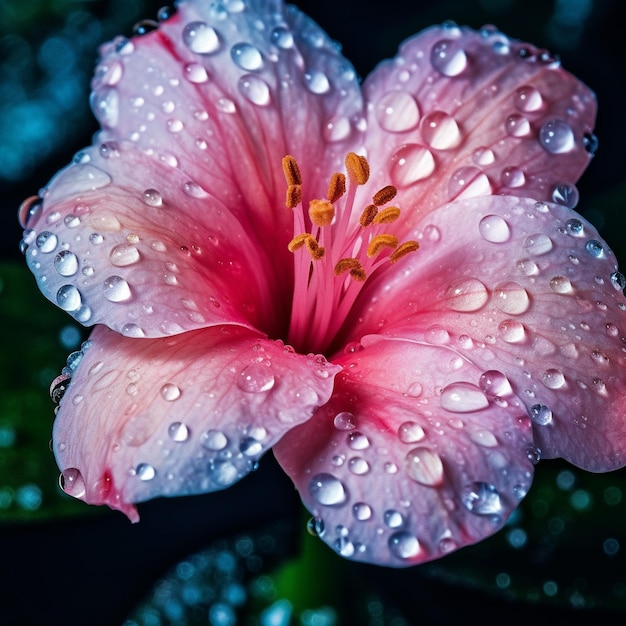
{"x": 334, "y": 254}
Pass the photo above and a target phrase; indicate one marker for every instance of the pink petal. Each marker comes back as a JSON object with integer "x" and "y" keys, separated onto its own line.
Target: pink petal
{"x": 460, "y": 113}
{"x": 179, "y": 207}
{"x": 410, "y": 459}
{"x": 529, "y": 290}
{"x": 189, "y": 414}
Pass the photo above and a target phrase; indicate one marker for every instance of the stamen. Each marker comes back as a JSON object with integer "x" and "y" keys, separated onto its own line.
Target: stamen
{"x": 403, "y": 249}
{"x": 315, "y": 250}
{"x": 368, "y": 215}
{"x": 321, "y": 212}
{"x": 379, "y": 242}
{"x": 384, "y": 195}
{"x": 387, "y": 215}
{"x": 291, "y": 170}
{"x": 298, "y": 241}
{"x": 294, "y": 196}
{"x": 345, "y": 265}
{"x": 336, "y": 187}
{"x": 358, "y": 168}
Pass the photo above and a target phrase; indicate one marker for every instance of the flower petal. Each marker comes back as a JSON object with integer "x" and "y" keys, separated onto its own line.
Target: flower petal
{"x": 178, "y": 209}
{"x": 182, "y": 415}
{"x": 410, "y": 459}
{"x": 460, "y": 113}
{"x": 529, "y": 290}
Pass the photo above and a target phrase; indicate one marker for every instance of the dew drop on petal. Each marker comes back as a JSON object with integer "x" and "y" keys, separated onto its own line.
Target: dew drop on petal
{"x": 517, "y": 126}
{"x": 68, "y": 298}
{"x": 481, "y": 498}
{"x": 393, "y": 519}
{"x": 511, "y": 298}
{"x": 495, "y": 384}
{"x": 195, "y": 73}
{"x": 282, "y": 37}
{"x": 145, "y": 472}
{"x": 358, "y": 466}
{"x": 327, "y": 490}
{"x": 440, "y": 131}
{"x": 358, "y": 441}
{"x": 448, "y": 57}
{"x": 410, "y": 432}
{"x": 527, "y": 99}
{"x": 467, "y": 294}
{"x": 594, "y": 248}
{"x": 494, "y": 228}
{"x": 66, "y": 263}
{"x": 397, "y": 112}
{"x": 247, "y": 57}
{"x": 512, "y": 331}
{"x": 254, "y": 89}
{"x": 46, "y": 241}
{"x": 123, "y": 255}
{"x": 152, "y": 198}
{"x": 344, "y": 421}
{"x": 566, "y": 194}
{"x": 362, "y": 511}
{"x": 540, "y": 414}
{"x": 556, "y": 136}
{"x": 116, "y": 289}
{"x": 561, "y": 284}
{"x": 256, "y": 378}
{"x": 72, "y": 482}
{"x": 317, "y": 82}
{"x": 404, "y": 545}
{"x": 424, "y": 466}
{"x": 177, "y": 431}
{"x": 463, "y": 397}
{"x": 410, "y": 164}
{"x": 170, "y": 392}
{"x": 553, "y": 379}
{"x": 201, "y": 38}
{"x": 214, "y": 440}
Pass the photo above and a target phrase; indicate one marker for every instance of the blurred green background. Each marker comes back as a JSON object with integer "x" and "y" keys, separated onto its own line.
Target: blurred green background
{"x": 243, "y": 556}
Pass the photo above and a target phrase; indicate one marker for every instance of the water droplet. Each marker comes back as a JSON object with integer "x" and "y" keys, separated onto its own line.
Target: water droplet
{"x": 96, "y": 239}
{"x": 106, "y": 106}
{"x": 556, "y": 136}
{"x": 72, "y": 482}
{"x": 561, "y": 284}
{"x": 483, "y": 156}
{"x": 337, "y": 128}
{"x": 517, "y": 126}
{"x": 327, "y": 490}
{"x": 362, "y": 511}
{"x": 177, "y": 431}
{"x": 116, "y": 289}
{"x": 594, "y": 248}
{"x": 511, "y": 298}
{"x": 250, "y": 446}
{"x": 590, "y": 141}
{"x": 397, "y": 112}
{"x": 440, "y": 131}
{"x": 463, "y": 397}
{"x": 495, "y": 384}
{"x": 527, "y": 99}
{"x": 481, "y": 498}
{"x": 358, "y": 441}
{"x": 254, "y": 89}
{"x": 124, "y": 254}
{"x": 410, "y": 164}
{"x": 214, "y": 440}
{"x": 46, "y": 241}
{"x": 540, "y": 414}
{"x": 282, "y": 37}
{"x": 69, "y": 298}
{"x": 538, "y": 244}
{"x": 404, "y": 545}
{"x": 133, "y": 330}
{"x": 512, "y": 331}
{"x": 145, "y": 471}
{"x": 247, "y": 57}
{"x": 468, "y": 182}
{"x": 618, "y": 281}
{"x": 448, "y": 57}
{"x": 358, "y": 466}
{"x": 553, "y": 379}
{"x": 317, "y": 82}
{"x": 566, "y": 194}
{"x": 424, "y": 466}
{"x": 494, "y": 228}
{"x": 196, "y": 73}
{"x": 170, "y": 392}
{"x": 344, "y": 421}
{"x": 512, "y": 177}
{"x": 201, "y": 38}
{"x": 256, "y": 378}
{"x": 393, "y": 519}
{"x": 410, "y": 432}
{"x": 467, "y": 294}
{"x": 152, "y": 197}
{"x": 575, "y": 227}
{"x": 66, "y": 263}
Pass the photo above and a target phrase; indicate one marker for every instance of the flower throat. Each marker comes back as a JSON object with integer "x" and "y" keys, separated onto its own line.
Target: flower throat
{"x": 334, "y": 256}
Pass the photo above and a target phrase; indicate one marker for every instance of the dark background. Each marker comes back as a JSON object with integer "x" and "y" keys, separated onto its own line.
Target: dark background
{"x": 93, "y": 570}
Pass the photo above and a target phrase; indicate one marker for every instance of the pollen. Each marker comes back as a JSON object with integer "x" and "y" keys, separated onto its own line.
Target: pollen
{"x": 336, "y": 187}
{"x": 294, "y": 196}
{"x": 291, "y": 170}
{"x": 298, "y": 242}
{"x": 403, "y": 249}
{"x": 358, "y": 168}
{"x": 387, "y": 215}
{"x": 379, "y": 242}
{"x": 384, "y": 195}
{"x": 321, "y": 212}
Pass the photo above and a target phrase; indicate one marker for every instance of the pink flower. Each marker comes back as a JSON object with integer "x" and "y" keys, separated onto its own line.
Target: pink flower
{"x": 447, "y": 372}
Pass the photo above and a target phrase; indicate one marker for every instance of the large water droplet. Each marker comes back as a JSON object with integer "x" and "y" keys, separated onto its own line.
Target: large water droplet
{"x": 317, "y": 82}
{"x": 561, "y": 284}
{"x": 410, "y": 164}
{"x": 358, "y": 441}
{"x": 556, "y": 136}
{"x": 178, "y": 432}
{"x": 424, "y": 466}
{"x": 254, "y": 89}
{"x": 247, "y": 57}
{"x": 124, "y": 254}
{"x": 397, "y": 112}
{"x": 467, "y": 294}
{"x": 440, "y": 131}
{"x": 344, "y": 421}
{"x": 566, "y": 194}
{"x": 404, "y": 545}
{"x": 540, "y": 414}
{"x": 481, "y": 498}
{"x": 152, "y": 198}
{"x": 145, "y": 472}
{"x": 256, "y": 378}
{"x": 448, "y": 57}
{"x": 362, "y": 511}
{"x": 463, "y": 397}
{"x": 494, "y": 228}
{"x": 410, "y": 432}
{"x": 106, "y": 106}
{"x": 201, "y": 38}
{"x": 512, "y": 331}
{"x": 170, "y": 392}
{"x": 553, "y": 378}
{"x": 116, "y": 289}
{"x": 495, "y": 384}
{"x": 469, "y": 182}
{"x": 517, "y": 126}
{"x": 527, "y": 99}
{"x": 327, "y": 490}
{"x": 511, "y": 298}
{"x": 66, "y": 263}
{"x": 214, "y": 440}
{"x": 69, "y": 298}
{"x": 72, "y": 482}
{"x": 46, "y": 241}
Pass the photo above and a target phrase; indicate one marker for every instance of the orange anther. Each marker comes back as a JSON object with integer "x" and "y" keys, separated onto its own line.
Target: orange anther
{"x": 336, "y": 187}
{"x": 384, "y": 195}
{"x": 358, "y": 168}
{"x": 291, "y": 170}
{"x": 403, "y": 249}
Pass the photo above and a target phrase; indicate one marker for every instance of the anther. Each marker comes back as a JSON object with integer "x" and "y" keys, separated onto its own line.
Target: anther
{"x": 321, "y": 212}
{"x": 336, "y": 187}
{"x": 291, "y": 170}
{"x": 379, "y": 242}
{"x": 403, "y": 249}
{"x": 358, "y": 168}
{"x": 294, "y": 196}
{"x": 315, "y": 250}
{"x": 387, "y": 215}
{"x": 368, "y": 215}
{"x": 346, "y": 265}
{"x": 384, "y": 195}
{"x": 298, "y": 241}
